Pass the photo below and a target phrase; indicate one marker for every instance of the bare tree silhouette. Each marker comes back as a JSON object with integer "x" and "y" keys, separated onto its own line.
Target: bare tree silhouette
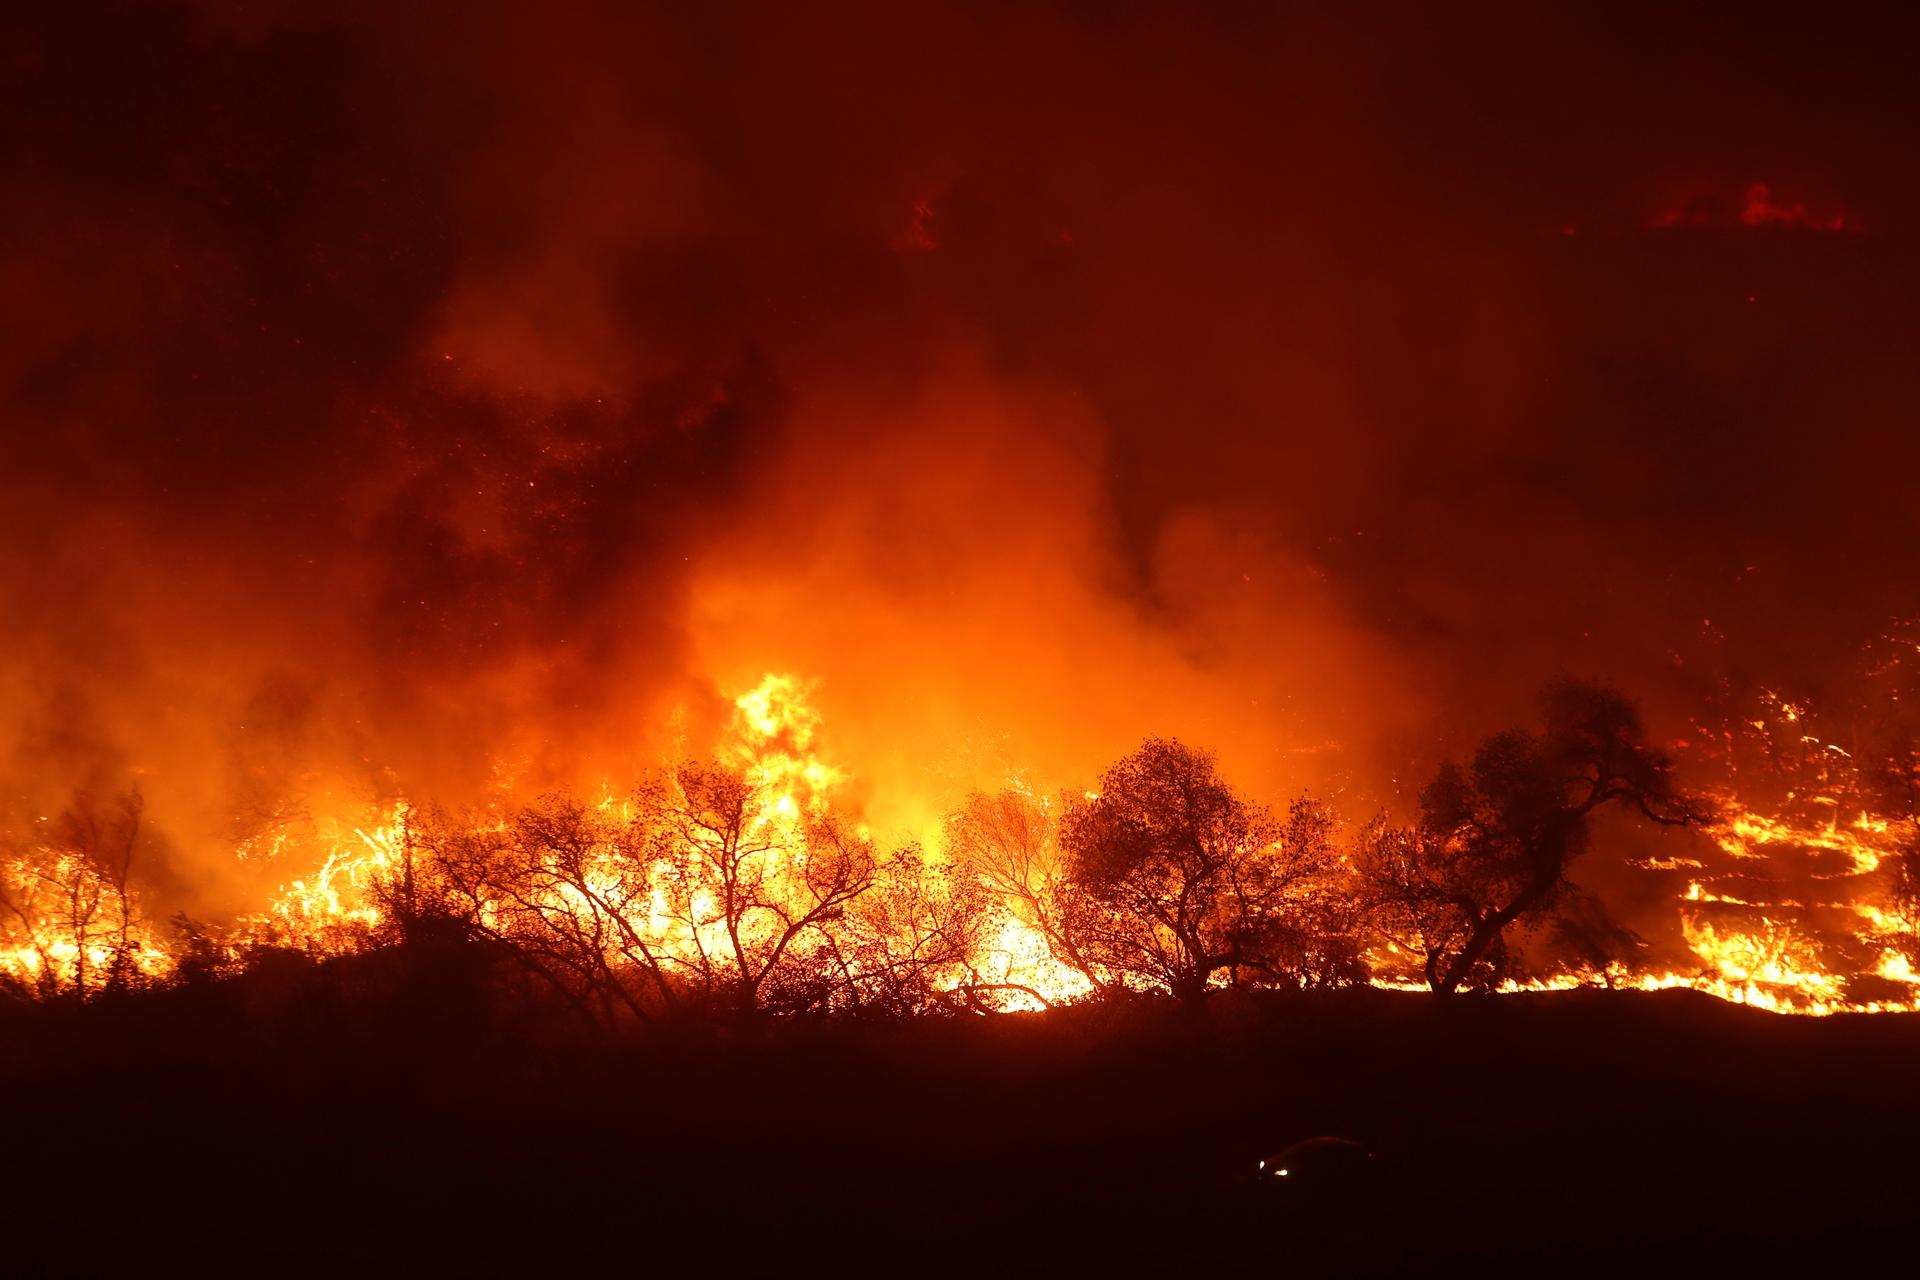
{"x": 557, "y": 885}
{"x": 66, "y": 901}
{"x": 751, "y": 900}
{"x": 701, "y": 893}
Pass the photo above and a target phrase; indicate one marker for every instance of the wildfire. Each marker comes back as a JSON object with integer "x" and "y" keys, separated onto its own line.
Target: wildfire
{"x": 774, "y": 742}
{"x": 333, "y": 898}
{"x": 1751, "y": 939}
{"x": 70, "y": 922}
{"x": 773, "y": 738}
{"x": 1740, "y": 834}
{"x": 1780, "y": 951}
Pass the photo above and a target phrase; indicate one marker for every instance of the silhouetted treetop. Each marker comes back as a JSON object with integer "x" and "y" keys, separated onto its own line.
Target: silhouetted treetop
{"x": 1160, "y": 812}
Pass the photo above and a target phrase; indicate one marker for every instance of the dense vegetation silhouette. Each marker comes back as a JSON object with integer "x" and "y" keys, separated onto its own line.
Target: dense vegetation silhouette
{"x": 711, "y": 891}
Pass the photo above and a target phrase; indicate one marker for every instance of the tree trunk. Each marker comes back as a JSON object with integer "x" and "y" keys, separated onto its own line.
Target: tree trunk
{"x": 1486, "y": 933}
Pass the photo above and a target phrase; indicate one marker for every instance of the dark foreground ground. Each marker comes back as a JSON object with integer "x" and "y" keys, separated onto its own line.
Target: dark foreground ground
{"x": 393, "y": 1119}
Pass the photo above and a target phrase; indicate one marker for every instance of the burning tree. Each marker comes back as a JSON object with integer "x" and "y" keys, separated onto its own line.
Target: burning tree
{"x": 1495, "y": 839}
{"x": 748, "y": 898}
{"x": 910, "y": 942}
{"x": 1176, "y": 878}
{"x": 1008, "y": 841}
{"x": 706, "y": 891}
{"x": 68, "y": 921}
{"x": 558, "y": 886}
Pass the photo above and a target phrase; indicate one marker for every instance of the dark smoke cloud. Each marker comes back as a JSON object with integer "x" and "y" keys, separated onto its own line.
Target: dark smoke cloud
{"x": 392, "y": 392}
